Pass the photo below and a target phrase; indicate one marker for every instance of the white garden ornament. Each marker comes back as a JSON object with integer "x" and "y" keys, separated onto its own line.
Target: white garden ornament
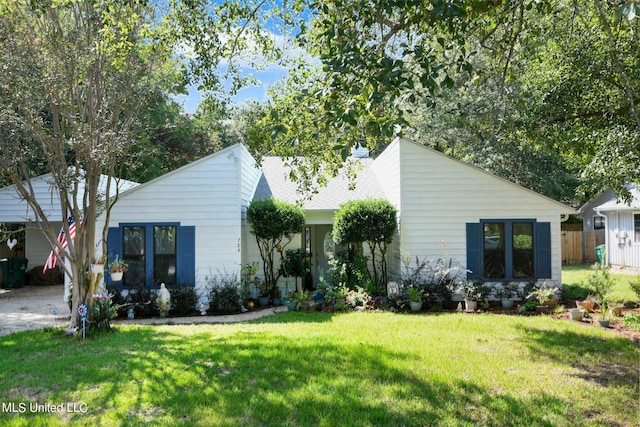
{"x": 164, "y": 300}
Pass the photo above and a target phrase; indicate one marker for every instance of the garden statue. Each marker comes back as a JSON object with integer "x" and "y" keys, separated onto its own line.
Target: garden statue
{"x": 164, "y": 300}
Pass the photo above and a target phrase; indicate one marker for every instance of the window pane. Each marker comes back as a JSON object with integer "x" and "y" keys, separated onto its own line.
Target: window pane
{"x": 636, "y": 227}
{"x": 494, "y": 250}
{"x": 164, "y": 256}
{"x": 522, "y": 249}
{"x": 133, "y": 244}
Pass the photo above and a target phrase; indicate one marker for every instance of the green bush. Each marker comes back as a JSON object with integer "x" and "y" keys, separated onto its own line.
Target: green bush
{"x": 224, "y": 293}
{"x": 635, "y": 286}
{"x": 183, "y": 300}
{"x": 371, "y": 221}
{"x": 349, "y": 269}
{"x": 143, "y": 300}
{"x": 273, "y": 223}
{"x": 631, "y": 320}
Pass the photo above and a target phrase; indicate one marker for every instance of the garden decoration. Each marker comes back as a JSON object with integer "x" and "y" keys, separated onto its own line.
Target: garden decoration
{"x": 83, "y": 312}
{"x": 11, "y": 243}
{"x": 164, "y": 300}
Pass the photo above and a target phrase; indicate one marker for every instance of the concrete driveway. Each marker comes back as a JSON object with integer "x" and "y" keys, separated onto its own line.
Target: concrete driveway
{"x": 30, "y": 308}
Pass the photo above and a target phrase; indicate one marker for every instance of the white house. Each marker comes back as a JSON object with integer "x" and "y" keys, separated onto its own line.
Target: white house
{"x": 622, "y": 230}
{"x": 189, "y": 223}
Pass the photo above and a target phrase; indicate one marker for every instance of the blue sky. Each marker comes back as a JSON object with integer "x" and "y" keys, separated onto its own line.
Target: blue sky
{"x": 258, "y": 93}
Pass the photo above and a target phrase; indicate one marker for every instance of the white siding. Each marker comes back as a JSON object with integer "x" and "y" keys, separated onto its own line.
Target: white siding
{"x": 204, "y": 194}
{"x": 440, "y": 195}
{"x": 622, "y": 249}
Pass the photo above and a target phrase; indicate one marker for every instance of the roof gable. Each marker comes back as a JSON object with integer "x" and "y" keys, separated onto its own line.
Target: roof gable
{"x": 275, "y": 182}
{"x": 15, "y": 209}
{"x": 491, "y": 178}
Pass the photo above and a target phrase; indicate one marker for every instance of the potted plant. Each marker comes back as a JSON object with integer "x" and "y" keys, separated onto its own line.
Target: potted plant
{"x": 249, "y": 271}
{"x": 117, "y": 269}
{"x": 472, "y": 292}
{"x": 97, "y": 264}
{"x": 588, "y": 304}
{"x": 507, "y": 294}
{"x": 300, "y": 300}
{"x": 604, "y": 319}
{"x": 276, "y": 296}
{"x": 264, "y": 293}
{"x": 576, "y": 314}
{"x": 543, "y": 294}
{"x": 415, "y": 298}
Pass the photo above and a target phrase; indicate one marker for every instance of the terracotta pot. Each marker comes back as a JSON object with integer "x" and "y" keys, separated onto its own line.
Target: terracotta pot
{"x": 587, "y": 305}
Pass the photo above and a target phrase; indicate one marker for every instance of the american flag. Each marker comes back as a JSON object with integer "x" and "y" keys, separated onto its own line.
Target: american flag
{"x": 64, "y": 242}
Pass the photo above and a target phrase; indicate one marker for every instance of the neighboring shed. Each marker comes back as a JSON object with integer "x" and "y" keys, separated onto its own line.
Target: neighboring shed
{"x": 622, "y": 230}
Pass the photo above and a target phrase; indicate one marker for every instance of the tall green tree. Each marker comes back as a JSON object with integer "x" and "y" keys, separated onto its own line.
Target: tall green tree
{"x": 68, "y": 84}
{"x": 558, "y": 79}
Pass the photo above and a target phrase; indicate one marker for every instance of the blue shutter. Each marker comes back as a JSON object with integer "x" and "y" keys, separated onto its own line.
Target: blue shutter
{"x": 543, "y": 250}
{"x": 474, "y": 250}
{"x": 114, "y": 247}
{"x": 186, "y": 255}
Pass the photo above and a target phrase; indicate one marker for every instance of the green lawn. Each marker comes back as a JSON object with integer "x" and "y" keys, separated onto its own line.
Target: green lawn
{"x": 574, "y": 277}
{"x": 308, "y": 369}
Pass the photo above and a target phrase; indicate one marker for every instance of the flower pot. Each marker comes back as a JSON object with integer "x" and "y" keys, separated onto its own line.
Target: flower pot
{"x": 576, "y": 314}
{"x": 415, "y": 305}
{"x": 543, "y": 309}
{"x": 263, "y": 301}
{"x": 164, "y": 313}
{"x": 116, "y": 276}
{"x": 97, "y": 269}
{"x": 617, "y": 311}
{"x": 604, "y": 323}
{"x": 470, "y": 305}
{"x": 276, "y": 301}
{"x": 507, "y": 303}
{"x": 291, "y": 306}
{"x": 587, "y": 305}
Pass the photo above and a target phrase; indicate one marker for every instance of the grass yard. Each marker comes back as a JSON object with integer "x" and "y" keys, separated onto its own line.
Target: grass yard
{"x": 308, "y": 369}
{"x": 574, "y": 277}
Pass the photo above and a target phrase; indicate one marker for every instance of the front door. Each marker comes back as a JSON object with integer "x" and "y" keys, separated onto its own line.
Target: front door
{"x": 323, "y": 249}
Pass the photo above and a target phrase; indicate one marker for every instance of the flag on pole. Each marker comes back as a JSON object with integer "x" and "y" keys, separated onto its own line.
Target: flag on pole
{"x": 64, "y": 242}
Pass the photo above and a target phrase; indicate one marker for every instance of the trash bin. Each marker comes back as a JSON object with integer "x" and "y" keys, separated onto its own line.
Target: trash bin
{"x": 13, "y": 272}
{"x": 601, "y": 253}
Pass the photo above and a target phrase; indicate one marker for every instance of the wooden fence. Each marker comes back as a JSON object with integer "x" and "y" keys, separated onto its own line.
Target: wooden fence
{"x": 579, "y": 247}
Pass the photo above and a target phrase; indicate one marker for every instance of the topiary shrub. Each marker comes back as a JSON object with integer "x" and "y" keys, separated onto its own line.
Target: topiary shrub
{"x": 371, "y": 221}
{"x": 274, "y": 223}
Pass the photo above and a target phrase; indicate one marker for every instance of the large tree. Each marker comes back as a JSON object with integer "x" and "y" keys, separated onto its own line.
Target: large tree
{"x": 71, "y": 73}
{"x": 561, "y": 80}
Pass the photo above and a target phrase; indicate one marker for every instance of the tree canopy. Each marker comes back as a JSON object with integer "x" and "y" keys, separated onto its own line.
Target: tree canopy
{"x": 549, "y": 85}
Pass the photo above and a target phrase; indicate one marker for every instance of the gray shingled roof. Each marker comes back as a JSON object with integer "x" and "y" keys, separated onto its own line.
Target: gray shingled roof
{"x": 275, "y": 183}
{"x": 617, "y": 205}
